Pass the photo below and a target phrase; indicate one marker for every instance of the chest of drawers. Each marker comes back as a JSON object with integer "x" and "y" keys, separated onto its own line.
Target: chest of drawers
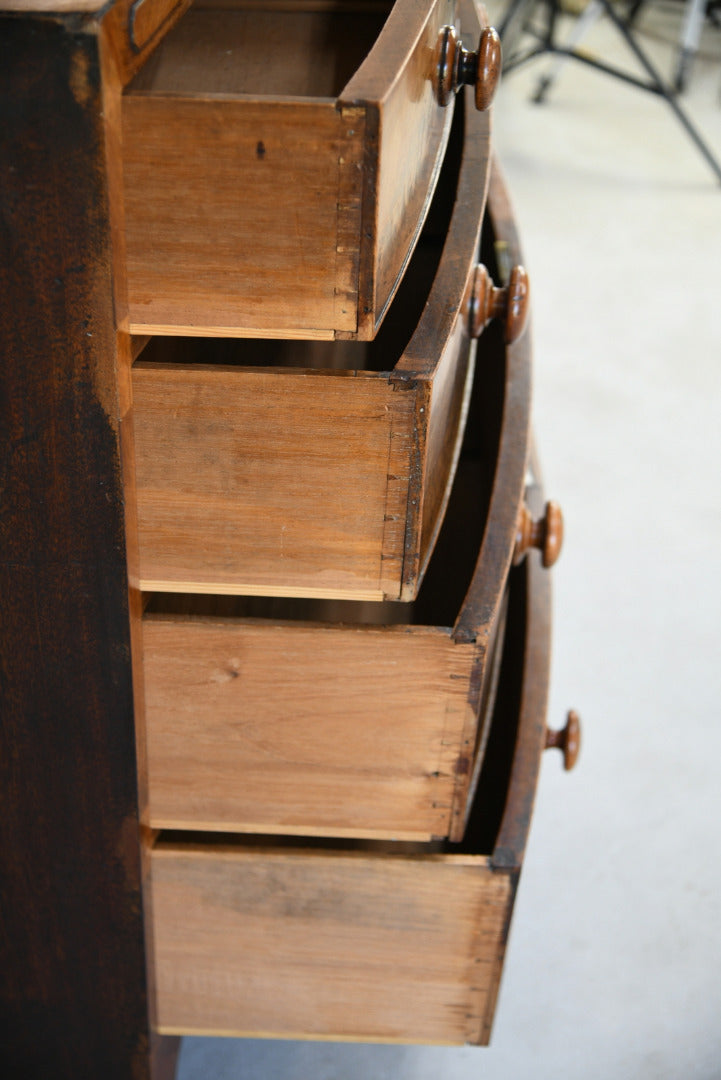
{"x": 244, "y": 705}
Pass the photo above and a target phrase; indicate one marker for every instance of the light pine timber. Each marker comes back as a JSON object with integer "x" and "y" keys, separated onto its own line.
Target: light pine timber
{"x": 369, "y": 731}
{"x": 324, "y": 944}
{"x": 262, "y": 197}
{"x": 305, "y": 480}
{"x": 263, "y": 482}
{"x": 304, "y": 729}
{"x": 383, "y": 942}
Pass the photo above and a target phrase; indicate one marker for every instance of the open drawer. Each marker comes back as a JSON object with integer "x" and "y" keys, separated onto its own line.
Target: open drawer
{"x": 344, "y": 718}
{"x": 278, "y": 163}
{"x": 309, "y": 468}
{"x": 361, "y": 940}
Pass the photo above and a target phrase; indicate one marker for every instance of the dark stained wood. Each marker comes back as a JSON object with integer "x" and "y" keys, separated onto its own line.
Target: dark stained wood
{"x": 532, "y": 691}
{"x": 72, "y": 979}
{"x": 513, "y": 451}
{"x": 438, "y": 442}
{"x": 73, "y": 990}
{"x": 164, "y": 1055}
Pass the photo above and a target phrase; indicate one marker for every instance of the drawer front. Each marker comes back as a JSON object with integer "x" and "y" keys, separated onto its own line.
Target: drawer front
{"x": 261, "y": 197}
{"x": 378, "y": 941}
{"x": 305, "y": 468}
{"x": 406, "y": 136}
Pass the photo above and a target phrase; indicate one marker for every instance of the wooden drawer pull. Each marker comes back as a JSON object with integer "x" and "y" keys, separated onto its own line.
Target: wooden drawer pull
{"x": 458, "y": 66}
{"x": 510, "y": 302}
{"x": 545, "y": 534}
{"x": 568, "y": 740}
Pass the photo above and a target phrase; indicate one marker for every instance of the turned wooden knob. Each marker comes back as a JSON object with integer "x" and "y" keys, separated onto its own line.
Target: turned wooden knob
{"x": 458, "y": 66}
{"x": 568, "y": 740}
{"x": 545, "y": 534}
{"x": 510, "y": 302}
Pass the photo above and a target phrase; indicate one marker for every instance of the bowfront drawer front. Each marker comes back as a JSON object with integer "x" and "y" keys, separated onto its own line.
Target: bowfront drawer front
{"x": 374, "y": 940}
{"x": 313, "y": 468}
{"x": 278, "y": 164}
{"x": 342, "y": 718}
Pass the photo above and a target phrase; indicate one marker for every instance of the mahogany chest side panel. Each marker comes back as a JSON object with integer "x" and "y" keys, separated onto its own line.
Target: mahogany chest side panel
{"x": 72, "y": 978}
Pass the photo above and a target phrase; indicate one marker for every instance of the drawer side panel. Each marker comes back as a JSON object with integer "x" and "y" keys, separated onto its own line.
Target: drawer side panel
{"x": 260, "y": 482}
{"x": 297, "y": 728}
{"x": 329, "y": 945}
{"x": 204, "y": 179}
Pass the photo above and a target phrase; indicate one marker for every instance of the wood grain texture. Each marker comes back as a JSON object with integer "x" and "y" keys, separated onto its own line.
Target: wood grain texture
{"x": 250, "y": 480}
{"x": 403, "y": 158}
{"x": 378, "y": 941}
{"x": 231, "y": 215}
{"x": 514, "y": 447}
{"x": 440, "y": 348}
{"x": 211, "y": 766}
{"x": 513, "y": 835}
{"x": 336, "y": 153}
{"x": 72, "y": 981}
{"x": 125, "y": 51}
{"x": 372, "y": 724}
{"x": 359, "y": 736}
{"x": 324, "y": 944}
{"x": 148, "y": 18}
{"x": 327, "y": 479}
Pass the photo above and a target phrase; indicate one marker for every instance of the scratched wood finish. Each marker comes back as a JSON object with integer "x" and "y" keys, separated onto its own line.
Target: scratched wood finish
{"x": 278, "y": 165}
{"x": 378, "y": 941}
{"x": 272, "y": 471}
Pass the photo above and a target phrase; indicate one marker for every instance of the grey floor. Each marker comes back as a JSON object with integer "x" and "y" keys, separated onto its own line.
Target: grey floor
{"x": 614, "y": 963}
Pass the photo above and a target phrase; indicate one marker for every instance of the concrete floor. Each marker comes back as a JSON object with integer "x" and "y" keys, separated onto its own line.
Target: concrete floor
{"x": 614, "y": 963}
